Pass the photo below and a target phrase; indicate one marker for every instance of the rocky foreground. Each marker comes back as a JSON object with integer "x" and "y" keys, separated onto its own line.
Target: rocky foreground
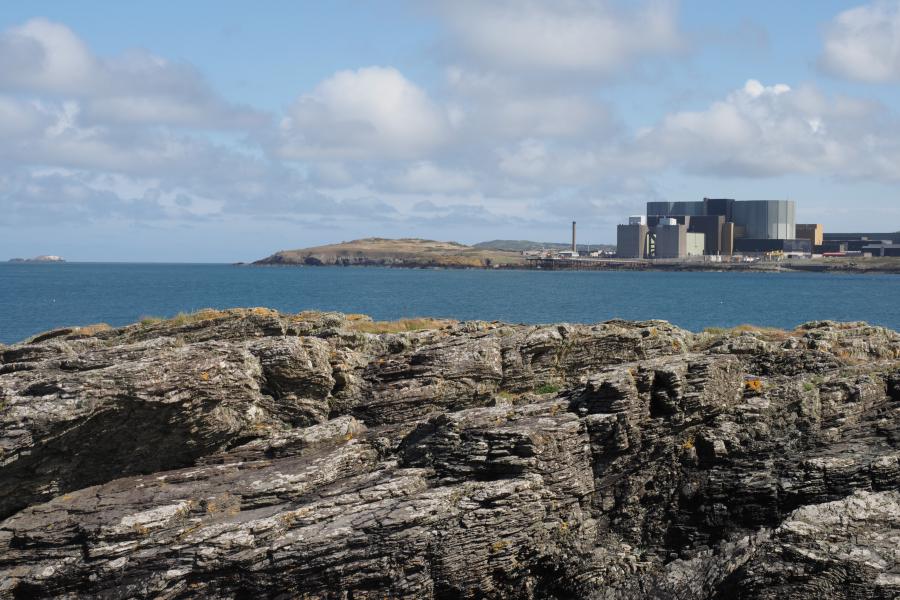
{"x": 252, "y": 454}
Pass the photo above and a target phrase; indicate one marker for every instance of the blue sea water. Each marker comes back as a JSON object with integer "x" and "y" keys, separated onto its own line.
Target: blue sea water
{"x": 38, "y": 297}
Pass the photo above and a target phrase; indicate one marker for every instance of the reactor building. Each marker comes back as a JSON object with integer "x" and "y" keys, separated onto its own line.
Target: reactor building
{"x": 713, "y": 227}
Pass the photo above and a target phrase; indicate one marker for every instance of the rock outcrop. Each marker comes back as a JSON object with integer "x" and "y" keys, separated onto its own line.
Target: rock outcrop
{"x": 249, "y": 453}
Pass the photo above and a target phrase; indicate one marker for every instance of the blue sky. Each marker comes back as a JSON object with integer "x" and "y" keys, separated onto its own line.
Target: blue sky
{"x": 213, "y": 131}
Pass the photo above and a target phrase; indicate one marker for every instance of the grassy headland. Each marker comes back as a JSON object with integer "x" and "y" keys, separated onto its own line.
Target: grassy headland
{"x": 407, "y": 252}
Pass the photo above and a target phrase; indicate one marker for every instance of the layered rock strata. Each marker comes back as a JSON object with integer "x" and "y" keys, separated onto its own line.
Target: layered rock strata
{"x": 250, "y": 453}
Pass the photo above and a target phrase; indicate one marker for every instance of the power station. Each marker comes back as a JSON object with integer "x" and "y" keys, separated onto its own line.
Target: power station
{"x": 714, "y": 227}
{"x": 717, "y": 230}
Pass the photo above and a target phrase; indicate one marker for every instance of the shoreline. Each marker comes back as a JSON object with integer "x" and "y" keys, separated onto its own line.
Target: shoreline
{"x": 571, "y": 265}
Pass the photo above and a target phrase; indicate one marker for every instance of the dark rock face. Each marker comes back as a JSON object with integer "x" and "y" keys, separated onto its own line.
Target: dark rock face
{"x": 257, "y": 454}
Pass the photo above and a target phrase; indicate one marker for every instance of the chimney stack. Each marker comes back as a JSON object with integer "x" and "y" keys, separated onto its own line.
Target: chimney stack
{"x": 574, "y": 248}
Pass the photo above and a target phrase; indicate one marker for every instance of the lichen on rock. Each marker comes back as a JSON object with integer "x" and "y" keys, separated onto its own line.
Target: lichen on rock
{"x": 247, "y": 452}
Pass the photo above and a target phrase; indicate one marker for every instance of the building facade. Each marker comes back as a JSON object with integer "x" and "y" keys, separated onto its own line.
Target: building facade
{"x": 763, "y": 225}
{"x": 631, "y": 240}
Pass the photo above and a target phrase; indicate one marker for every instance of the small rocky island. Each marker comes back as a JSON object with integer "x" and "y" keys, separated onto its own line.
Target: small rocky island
{"x": 44, "y": 258}
{"x": 254, "y": 454}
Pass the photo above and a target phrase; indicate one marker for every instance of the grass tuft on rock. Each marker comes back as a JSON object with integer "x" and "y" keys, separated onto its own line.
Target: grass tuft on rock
{"x": 399, "y": 326}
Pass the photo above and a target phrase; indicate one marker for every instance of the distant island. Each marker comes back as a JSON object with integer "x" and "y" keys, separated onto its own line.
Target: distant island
{"x": 45, "y": 258}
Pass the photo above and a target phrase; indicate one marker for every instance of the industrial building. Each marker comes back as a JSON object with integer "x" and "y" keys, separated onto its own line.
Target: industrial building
{"x": 876, "y": 244}
{"x": 715, "y": 227}
{"x": 812, "y": 232}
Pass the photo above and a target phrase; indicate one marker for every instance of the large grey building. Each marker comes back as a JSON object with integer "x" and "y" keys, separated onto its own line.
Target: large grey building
{"x": 755, "y": 219}
{"x": 760, "y": 225}
{"x": 765, "y": 219}
{"x": 631, "y": 240}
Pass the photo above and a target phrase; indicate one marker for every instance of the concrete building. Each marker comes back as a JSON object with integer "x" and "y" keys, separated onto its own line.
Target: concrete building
{"x": 766, "y": 219}
{"x": 665, "y": 209}
{"x": 668, "y": 240}
{"x": 674, "y": 229}
{"x": 695, "y": 244}
{"x": 813, "y": 232}
{"x": 710, "y": 226}
{"x": 758, "y": 219}
{"x": 727, "y": 239}
{"x": 631, "y": 240}
{"x": 762, "y": 246}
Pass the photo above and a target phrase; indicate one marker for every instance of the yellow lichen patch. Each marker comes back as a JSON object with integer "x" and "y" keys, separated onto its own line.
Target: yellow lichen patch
{"x": 348, "y": 436}
{"x": 688, "y": 444}
{"x": 754, "y": 385}
{"x": 226, "y": 504}
{"x": 189, "y": 530}
{"x": 499, "y": 546}
{"x": 399, "y": 326}
{"x": 262, "y": 311}
{"x": 204, "y": 376}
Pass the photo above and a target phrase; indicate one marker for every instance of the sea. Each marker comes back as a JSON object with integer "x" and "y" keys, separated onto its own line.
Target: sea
{"x": 37, "y": 297}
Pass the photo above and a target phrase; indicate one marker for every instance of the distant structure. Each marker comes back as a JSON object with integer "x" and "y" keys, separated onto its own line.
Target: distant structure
{"x": 573, "y": 253}
{"x": 814, "y": 232}
{"x": 876, "y": 244}
{"x": 713, "y": 227}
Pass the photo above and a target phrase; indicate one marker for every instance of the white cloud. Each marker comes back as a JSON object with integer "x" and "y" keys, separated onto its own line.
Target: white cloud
{"x": 863, "y": 43}
{"x": 426, "y": 177}
{"x": 43, "y": 57}
{"x": 768, "y": 131}
{"x": 597, "y": 36}
{"x": 499, "y": 106}
{"x": 20, "y": 118}
{"x": 371, "y": 113}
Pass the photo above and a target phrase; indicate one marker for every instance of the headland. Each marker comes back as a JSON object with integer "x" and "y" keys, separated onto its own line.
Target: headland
{"x": 419, "y": 253}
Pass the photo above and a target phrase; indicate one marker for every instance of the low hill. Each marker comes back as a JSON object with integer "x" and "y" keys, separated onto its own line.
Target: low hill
{"x": 405, "y": 252}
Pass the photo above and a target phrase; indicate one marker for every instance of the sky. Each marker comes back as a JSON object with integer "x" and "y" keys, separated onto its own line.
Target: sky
{"x": 218, "y": 131}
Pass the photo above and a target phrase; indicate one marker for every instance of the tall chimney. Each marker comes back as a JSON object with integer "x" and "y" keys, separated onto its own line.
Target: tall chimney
{"x": 573, "y": 237}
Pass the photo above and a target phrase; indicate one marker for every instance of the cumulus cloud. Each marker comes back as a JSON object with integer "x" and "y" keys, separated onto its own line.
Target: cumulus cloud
{"x": 499, "y": 106}
{"x": 370, "y": 113}
{"x": 767, "y": 131}
{"x": 587, "y": 36}
{"x": 863, "y": 43}
{"x": 427, "y": 177}
{"x": 44, "y": 57}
